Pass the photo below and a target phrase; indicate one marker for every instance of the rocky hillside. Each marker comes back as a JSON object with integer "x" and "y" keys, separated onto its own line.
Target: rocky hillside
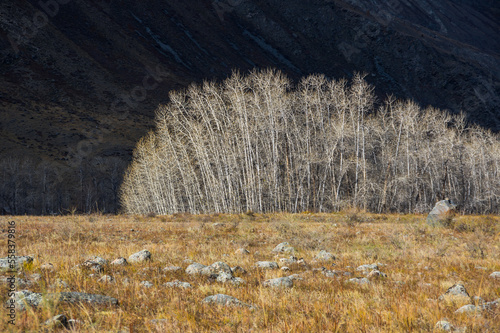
{"x": 81, "y": 79}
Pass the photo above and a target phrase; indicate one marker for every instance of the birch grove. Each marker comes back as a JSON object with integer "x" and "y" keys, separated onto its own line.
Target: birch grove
{"x": 258, "y": 143}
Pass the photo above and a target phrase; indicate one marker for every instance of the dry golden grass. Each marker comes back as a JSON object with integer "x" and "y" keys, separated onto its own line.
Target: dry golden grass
{"x": 412, "y": 252}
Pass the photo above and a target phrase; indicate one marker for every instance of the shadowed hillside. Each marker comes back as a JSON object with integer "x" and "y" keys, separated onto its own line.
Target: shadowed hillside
{"x": 80, "y": 81}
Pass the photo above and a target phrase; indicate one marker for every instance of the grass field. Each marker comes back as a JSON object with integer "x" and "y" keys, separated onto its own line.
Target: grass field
{"x": 421, "y": 263}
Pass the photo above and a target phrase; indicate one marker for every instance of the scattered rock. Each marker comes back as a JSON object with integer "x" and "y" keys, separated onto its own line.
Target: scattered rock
{"x": 289, "y": 261}
{"x": 140, "y": 256}
{"x": 490, "y": 306}
{"x": 224, "y": 277}
{"x": 469, "y": 309}
{"x": 59, "y": 321}
{"x": 194, "y": 268}
{"x": 226, "y": 300}
{"x": 324, "y": 256}
{"x": 376, "y": 273}
{"x": 443, "y": 325}
{"x": 331, "y": 273}
{"x": 120, "y": 261}
{"x": 96, "y": 259}
{"x": 172, "y": 269}
{"x": 77, "y": 297}
{"x": 146, "y": 284}
{"x": 283, "y": 248}
{"x": 267, "y": 264}
{"x": 178, "y": 284}
{"x": 367, "y": 268}
{"x": 242, "y": 251}
{"x": 495, "y": 275}
{"x": 92, "y": 265}
{"x": 359, "y": 281}
{"x": 284, "y": 282}
{"x": 303, "y": 263}
{"x": 188, "y": 261}
{"x": 441, "y": 210}
{"x": 216, "y": 268}
{"x": 456, "y": 292}
{"x": 19, "y": 282}
{"x": 25, "y": 298}
{"x": 285, "y": 269}
{"x": 218, "y": 225}
{"x": 295, "y": 277}
{"x": 15, "y": 263}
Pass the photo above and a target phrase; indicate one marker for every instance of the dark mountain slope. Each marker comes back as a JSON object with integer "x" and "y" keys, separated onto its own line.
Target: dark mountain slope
{"x": 80, "y": 81}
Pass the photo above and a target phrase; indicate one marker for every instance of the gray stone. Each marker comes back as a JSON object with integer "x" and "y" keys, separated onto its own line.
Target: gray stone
{"x": 120, "y": 261}
{"x": 25, "y": 298}
{"x": 194, "y": 268}
{"x": 443, "y": 325}
{"x": 226, "y": 300}
{"x": 495, "y": 275}
{"x": 224, "y": 277}
{"x": 267, "y": 264}
{"x": 455, "y": 292}
{"x": 93, "y": 265}
{"x": 178, "y": 284}
{"x": 285, "y": 269}
{"x": 491, "y": 306}
{"x": 361, "y": 281}
{"x": 19, "y": 282}
{"x": 289, "y": 261}
{"x": 295, "y": 277}
{"x": 140, "y": 256}
{"x": 331, "y": 273}
{"x": 283, "y": 282}
{"x": 469, "y": 309}
{"x": 303, "y": 263}
{"x": 99, "y": 260}
{"x": 376, "y": 273}
{"x": 440, "y": 211}
{"x": 283, "y": 248}
{"x": 367, "y": 268}
{"x": 216, "y": 268}
{"x": 77, "y": 297}
{"x": 324, "y": 256}
{"x": 15, "y": 263}
{"x": 59, "y": 321}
